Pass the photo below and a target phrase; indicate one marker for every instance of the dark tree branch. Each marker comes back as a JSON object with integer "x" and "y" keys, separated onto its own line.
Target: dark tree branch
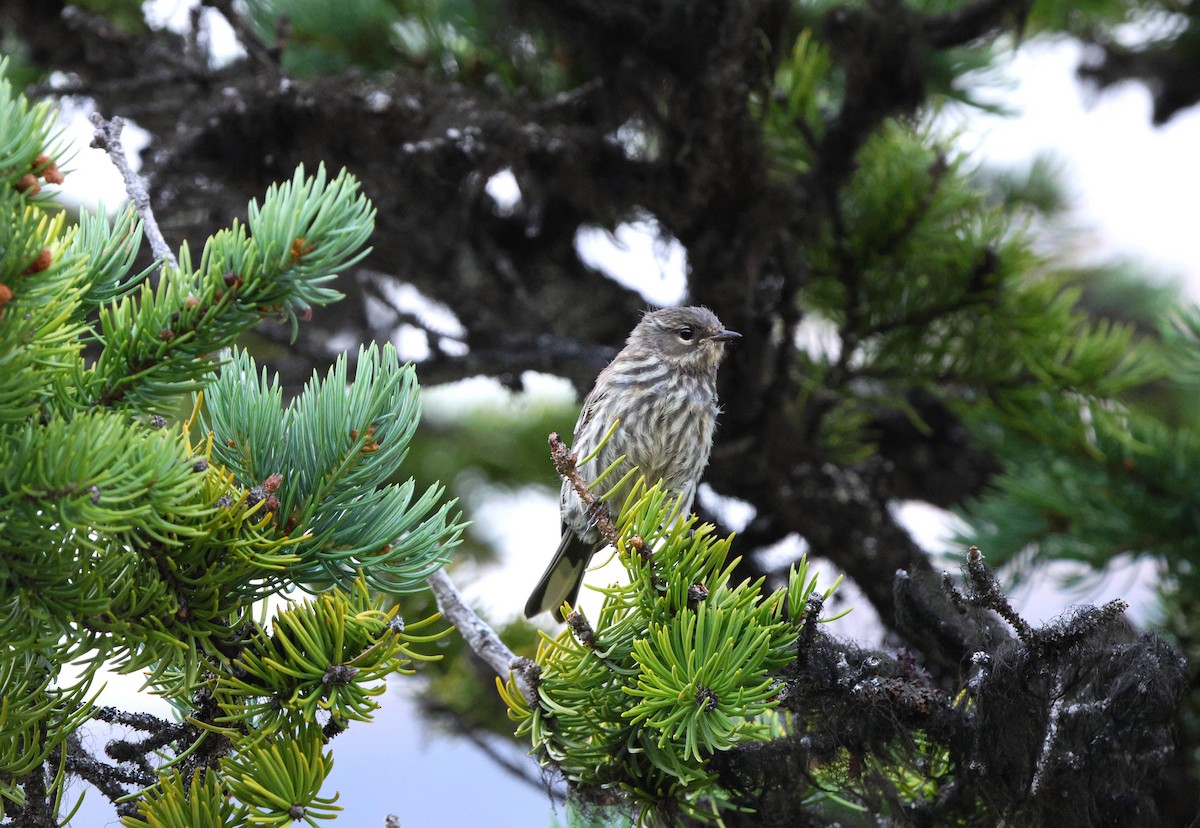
{"x": 978, "y": 20}
{"x": 1169, "y": 69}
{"x": 1031, "y": 710}
{"x": 38, "y": 808}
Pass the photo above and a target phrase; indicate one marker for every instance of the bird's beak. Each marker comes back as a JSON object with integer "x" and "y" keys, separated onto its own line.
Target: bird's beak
{"x": 724, "y": 336}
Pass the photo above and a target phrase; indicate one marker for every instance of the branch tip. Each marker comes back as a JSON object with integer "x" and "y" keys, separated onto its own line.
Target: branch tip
{"x": 107, "y": 137}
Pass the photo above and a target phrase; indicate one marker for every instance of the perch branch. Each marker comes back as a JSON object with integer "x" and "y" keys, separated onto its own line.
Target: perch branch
{"x": 481, "y": 638}
{"x": 565, "y": 464}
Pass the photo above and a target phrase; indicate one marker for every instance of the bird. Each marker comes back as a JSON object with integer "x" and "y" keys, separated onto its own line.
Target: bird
{"x": 662, "y": 388}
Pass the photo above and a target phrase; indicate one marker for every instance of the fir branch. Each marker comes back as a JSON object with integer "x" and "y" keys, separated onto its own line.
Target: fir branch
{"x": 325, "y": 656}
{"x": 678, "y": 666}
{"x": 888, "y": 246}
{"x": 162, "y": 342}
{"x": 109, "y": 251}
{"x": 337, "y": 447}
{"x": 107, "y": 137}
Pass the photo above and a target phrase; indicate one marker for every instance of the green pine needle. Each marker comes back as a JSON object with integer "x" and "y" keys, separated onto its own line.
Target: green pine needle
{"x": 682, "y": 664}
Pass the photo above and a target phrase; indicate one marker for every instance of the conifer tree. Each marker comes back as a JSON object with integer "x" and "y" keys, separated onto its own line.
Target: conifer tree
{"x": 142, "y": 538}
{"x": 791, "y": 149}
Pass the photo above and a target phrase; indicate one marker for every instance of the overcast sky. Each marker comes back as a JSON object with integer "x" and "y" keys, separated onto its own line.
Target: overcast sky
{"x": 1135, "y": 188}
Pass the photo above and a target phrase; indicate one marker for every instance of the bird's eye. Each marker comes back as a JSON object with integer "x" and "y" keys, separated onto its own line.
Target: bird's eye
{"x": 686, "y": 334}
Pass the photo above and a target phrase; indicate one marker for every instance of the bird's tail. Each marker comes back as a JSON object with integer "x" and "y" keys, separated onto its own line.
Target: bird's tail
{"x": 561, "y": 581}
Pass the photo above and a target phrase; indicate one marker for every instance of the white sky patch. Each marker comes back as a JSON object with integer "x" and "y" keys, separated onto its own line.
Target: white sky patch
{"x": 123, "y": 691}
{"x": 1045, "y": 591}
{"x": 522, "y": 525}
{"x": 168, "y": 14}
{"x": 547, "y": 389}
{"x": 634, "y": 139}
{"x": 504, "y": 191}
{"x": 1051, "y": 589}
{"x": 412, "y": 341}
{"x": 780, "y": 554}
{"x": 1133, "y": 183}
{"x": 175, "y": 15}
{"x": 818, "y": 337}
{"x": 638, "y": 255}
{"x": 452, "y": 400}
{"x": 343, "y": 341}
{"x": 431, "y": 312}
{"x": 861, "y": 625}
{"x": 931, "y": 527}
{"x": 734, "y": 513}
{"x": 443, "y": 403}
{"x": 90, "y": 177}
{"x": 606, "y": 569}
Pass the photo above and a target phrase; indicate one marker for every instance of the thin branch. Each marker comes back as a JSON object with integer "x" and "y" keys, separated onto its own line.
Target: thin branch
{"x": 108, "y": 779}
{"x": 987, "y": 593}
{"x": 565, "y": 462}
{"x": 37, "y": 811}
{"x": 145, "y": 722}
{"x": 481, "y": 638}
{"x": 108, "y": 138}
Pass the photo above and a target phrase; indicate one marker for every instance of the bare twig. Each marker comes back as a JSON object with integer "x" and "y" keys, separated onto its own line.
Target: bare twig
{"x": 565, "y": 462}
{"x": 108, "y": 138}
{"x": 987, "y": 593}
{"x": 481, "y": 638}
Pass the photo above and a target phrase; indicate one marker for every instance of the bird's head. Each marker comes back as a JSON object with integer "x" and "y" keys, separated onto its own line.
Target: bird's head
{"x": 692, "y": 339}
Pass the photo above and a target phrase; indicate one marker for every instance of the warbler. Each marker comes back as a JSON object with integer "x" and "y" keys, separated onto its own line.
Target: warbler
{"x": 662, "y": 388}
